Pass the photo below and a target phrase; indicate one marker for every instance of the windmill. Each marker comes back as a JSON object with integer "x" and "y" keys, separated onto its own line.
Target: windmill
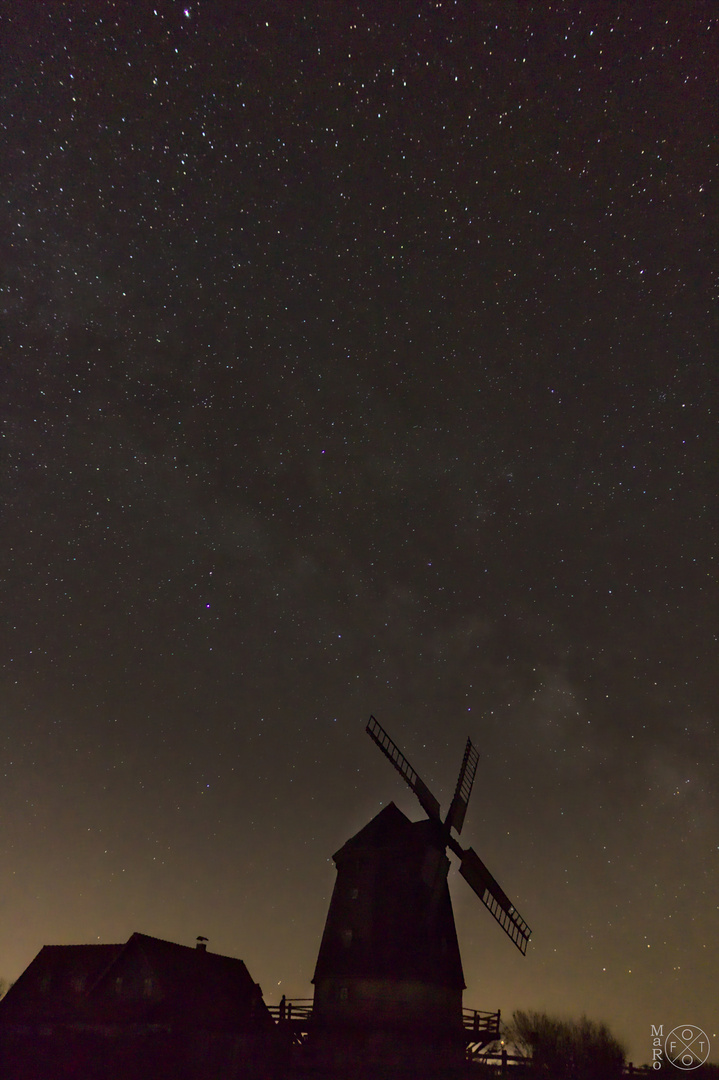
{"x": 389, "y": 980}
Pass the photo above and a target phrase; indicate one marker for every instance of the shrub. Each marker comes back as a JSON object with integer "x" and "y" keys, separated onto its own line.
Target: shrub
{"x": 567, "y": 1049}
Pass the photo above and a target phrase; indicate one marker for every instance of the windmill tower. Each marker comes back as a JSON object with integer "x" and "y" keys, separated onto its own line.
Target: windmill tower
{"x": 388, "y": 980}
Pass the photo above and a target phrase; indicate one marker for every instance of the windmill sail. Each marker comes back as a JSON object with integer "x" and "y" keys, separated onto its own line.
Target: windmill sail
{"x": 455, "y": 817}
{"x": 471, "y": 866}
{"x": 494, "y": 898}
{"x": 396, "y": 757}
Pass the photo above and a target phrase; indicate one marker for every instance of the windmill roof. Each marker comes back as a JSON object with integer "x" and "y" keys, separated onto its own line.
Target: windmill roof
{"x": 387, "y": 828}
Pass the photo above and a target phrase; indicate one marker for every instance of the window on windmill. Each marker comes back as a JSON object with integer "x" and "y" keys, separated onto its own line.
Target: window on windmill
{"x": 354, "y": 894}
{"x": 78, "y": 983}
{"x": 343, "y": 993}
{"x": 45, "y": 983}
{"x": 148, "y": 986}
{"x": 346, "y": 935}
{"x": 118, "y": 985}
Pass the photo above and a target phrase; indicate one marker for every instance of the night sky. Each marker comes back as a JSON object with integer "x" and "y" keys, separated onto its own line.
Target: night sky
{"x": 361, "y": 358}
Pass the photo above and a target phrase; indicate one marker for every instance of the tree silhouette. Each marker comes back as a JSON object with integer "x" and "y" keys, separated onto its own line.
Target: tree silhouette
{"x": 567, "y": 1049}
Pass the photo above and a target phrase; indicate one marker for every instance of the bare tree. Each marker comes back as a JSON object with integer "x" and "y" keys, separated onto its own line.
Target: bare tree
{"x": 567, "y": 1049}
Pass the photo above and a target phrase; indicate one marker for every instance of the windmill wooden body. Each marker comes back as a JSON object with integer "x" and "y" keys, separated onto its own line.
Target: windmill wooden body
{"x": 389, "y": 980}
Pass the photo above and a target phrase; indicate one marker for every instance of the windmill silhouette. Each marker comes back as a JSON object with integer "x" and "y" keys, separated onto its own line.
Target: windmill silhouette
{"x": 389, "y": 980}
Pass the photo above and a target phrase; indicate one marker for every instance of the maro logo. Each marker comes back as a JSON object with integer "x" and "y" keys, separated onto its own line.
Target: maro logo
{"x": 686, "y": 1047}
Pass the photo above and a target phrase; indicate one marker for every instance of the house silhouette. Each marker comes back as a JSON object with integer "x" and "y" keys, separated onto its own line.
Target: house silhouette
{"x": 145, "y": 1008}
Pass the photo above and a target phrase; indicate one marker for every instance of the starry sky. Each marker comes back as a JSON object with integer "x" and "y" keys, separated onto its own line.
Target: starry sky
{"x": 361, "y": 358}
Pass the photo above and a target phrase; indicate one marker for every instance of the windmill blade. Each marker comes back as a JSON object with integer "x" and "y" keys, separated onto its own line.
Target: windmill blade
{"x": 396, "y": 757}
{"x": 455, "y": 817}
{"x": 476, "y": 874}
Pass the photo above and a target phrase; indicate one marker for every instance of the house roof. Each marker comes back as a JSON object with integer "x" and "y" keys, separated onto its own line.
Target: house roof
{"x": 56, "y": 980}
{"x": 196, "y": 985}
{"x": 145, "y": 980}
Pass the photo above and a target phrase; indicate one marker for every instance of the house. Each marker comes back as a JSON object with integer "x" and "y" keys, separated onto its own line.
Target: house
{"x": 145, "y": 1008}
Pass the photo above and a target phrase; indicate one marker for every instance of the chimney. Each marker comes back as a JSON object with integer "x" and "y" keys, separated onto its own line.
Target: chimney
{"x": 201, "y": 943}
